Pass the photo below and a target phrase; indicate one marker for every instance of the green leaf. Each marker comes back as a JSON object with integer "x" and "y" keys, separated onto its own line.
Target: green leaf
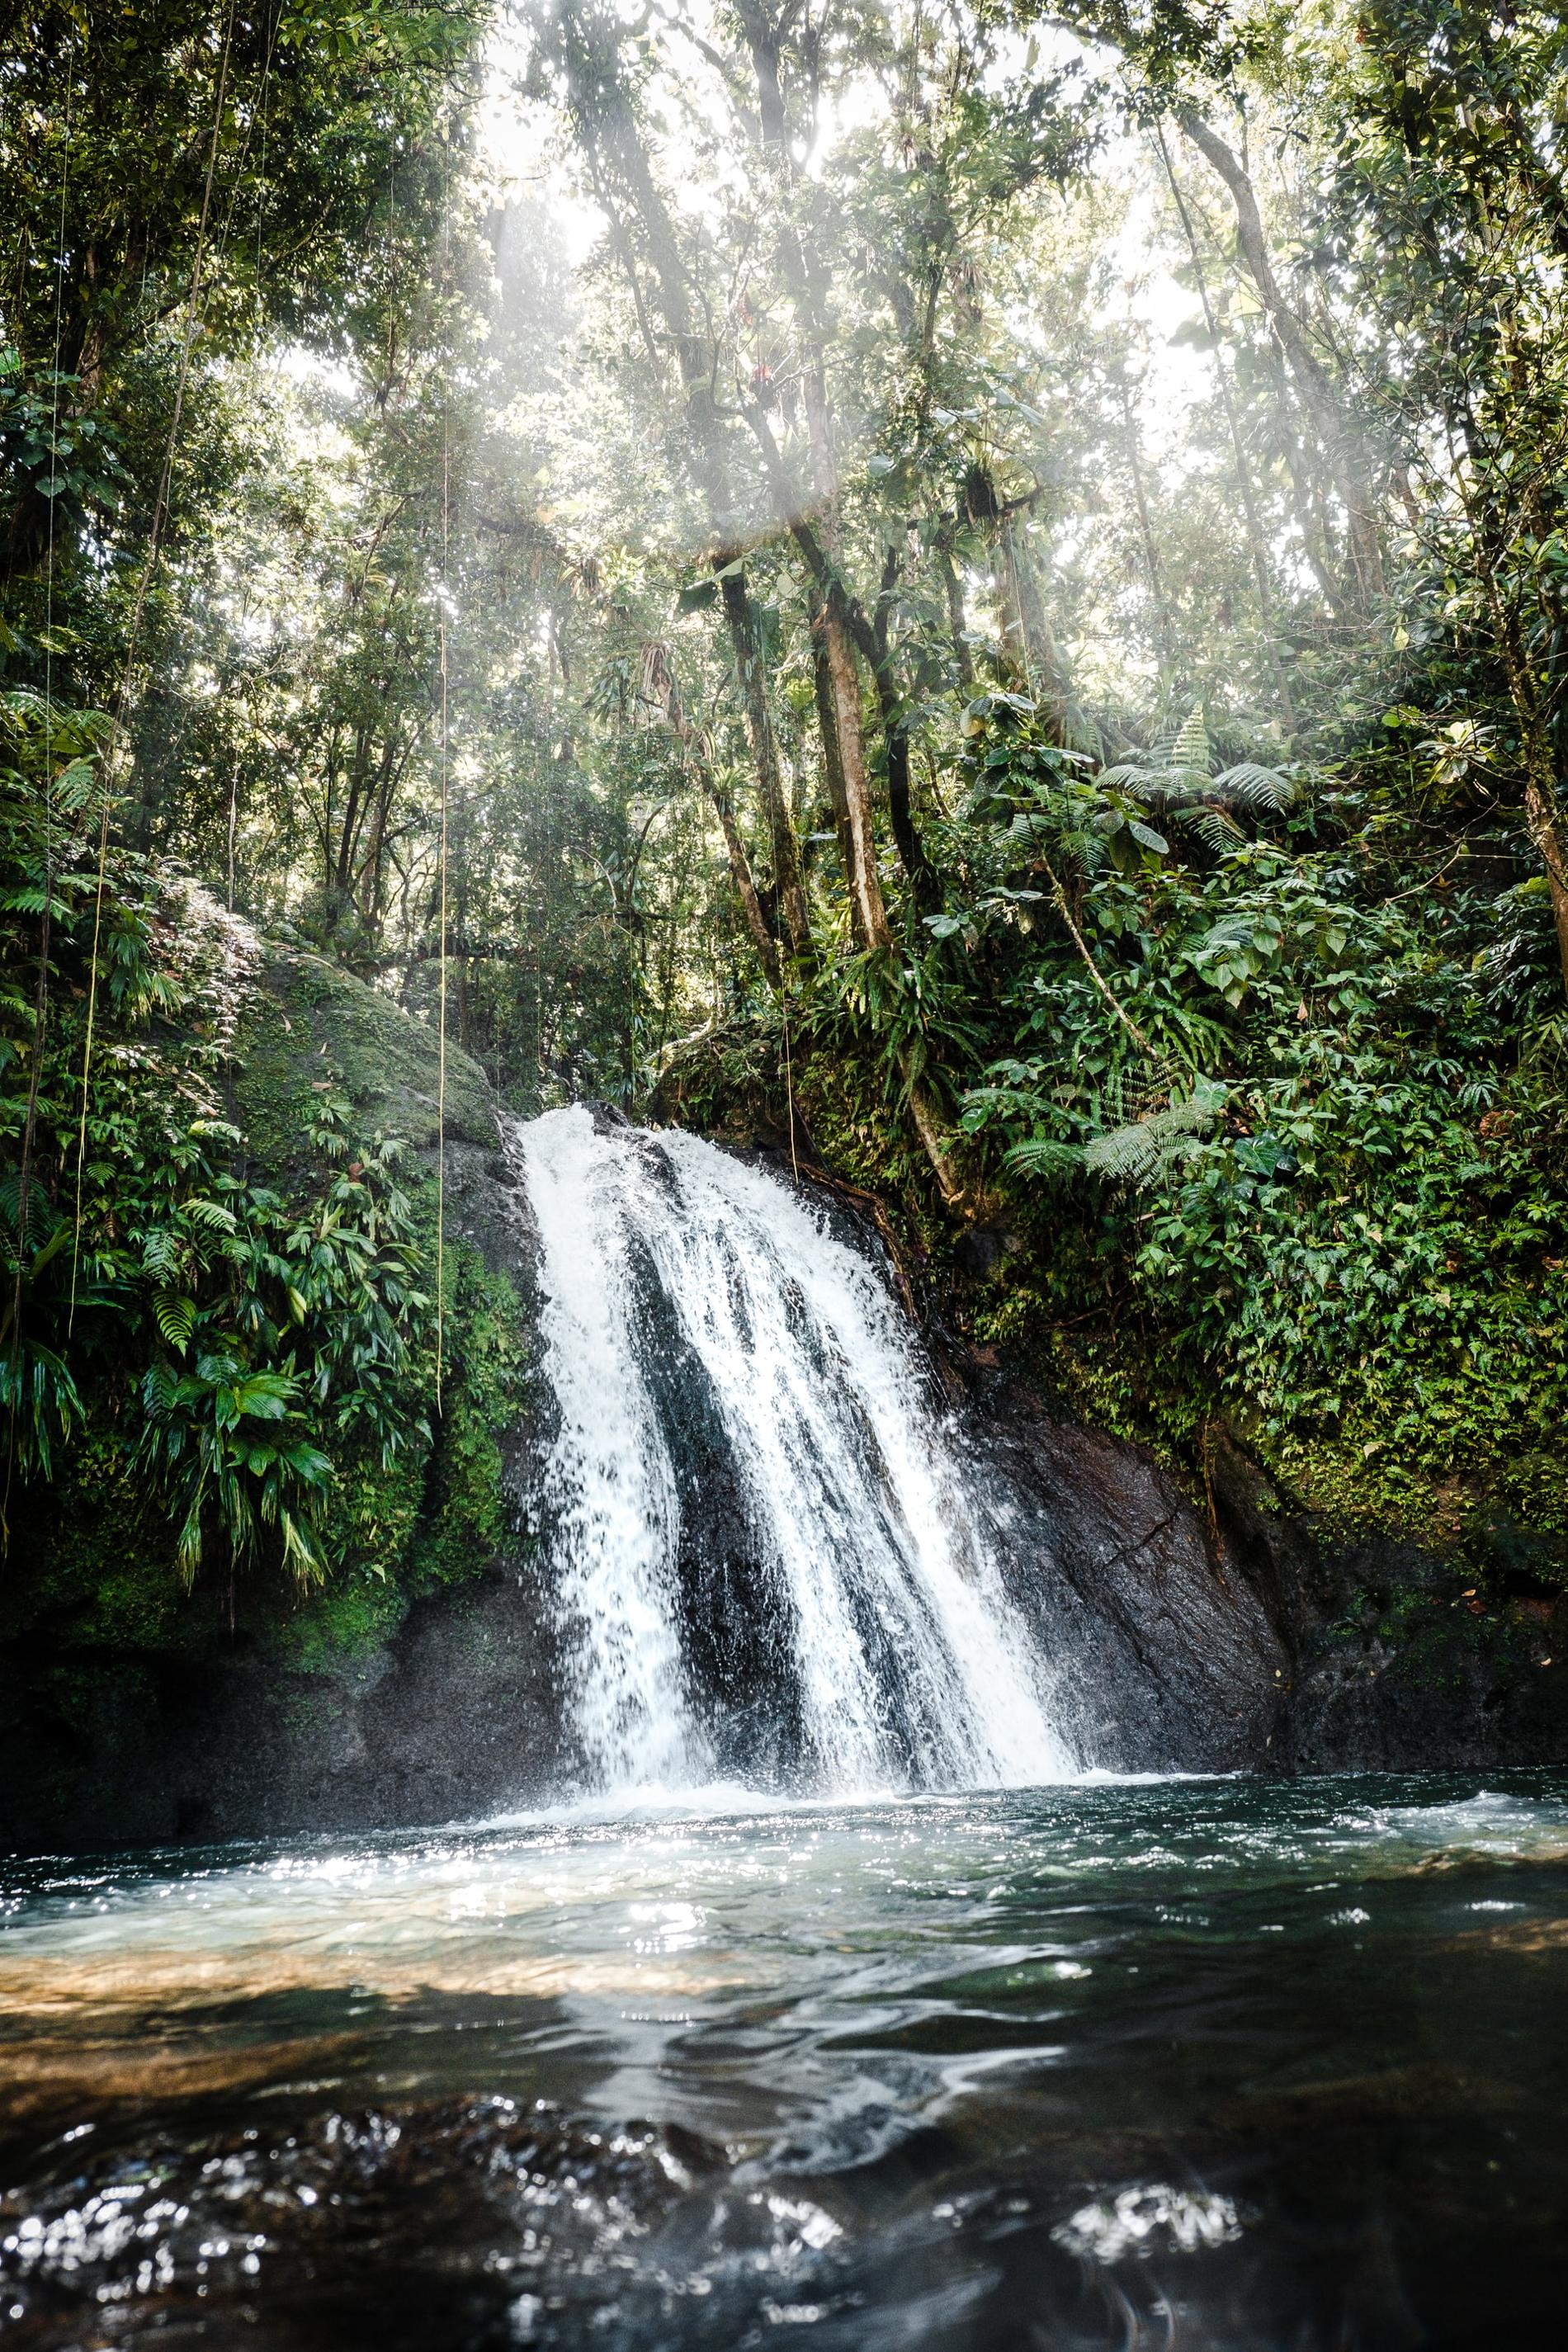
{"x": 175, "y": 1316}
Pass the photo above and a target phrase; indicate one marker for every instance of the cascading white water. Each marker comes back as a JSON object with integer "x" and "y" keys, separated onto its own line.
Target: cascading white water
{"x": 666, "y": 1266}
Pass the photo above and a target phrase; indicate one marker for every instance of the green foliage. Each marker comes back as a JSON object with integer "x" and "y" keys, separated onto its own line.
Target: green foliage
{"x": 1210, "y": 749}
{"x": 37, "y": 1386}
{"x": 256, "y": 1332}
{"x": 1350, "y": 1232}
{"x": 225, "y": 1445}
{"x": 469, "y": 1513}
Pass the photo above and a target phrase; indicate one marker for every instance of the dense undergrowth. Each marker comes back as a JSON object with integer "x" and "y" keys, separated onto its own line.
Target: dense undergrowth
{"x": 217, "y": 1321}
{"x": 1267, "y": 1130}
{"x": 1097, "y": 762}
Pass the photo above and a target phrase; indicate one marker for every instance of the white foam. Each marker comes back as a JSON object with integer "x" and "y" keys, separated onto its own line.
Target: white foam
{"x": 911, "y": 1663}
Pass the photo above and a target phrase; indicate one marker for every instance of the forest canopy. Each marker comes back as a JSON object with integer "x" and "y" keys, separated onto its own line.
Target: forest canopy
{"x": 981, "y": 589}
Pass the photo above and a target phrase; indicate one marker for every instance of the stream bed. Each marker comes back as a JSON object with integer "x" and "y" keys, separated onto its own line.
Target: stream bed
{"x": 1207, "y": 2064}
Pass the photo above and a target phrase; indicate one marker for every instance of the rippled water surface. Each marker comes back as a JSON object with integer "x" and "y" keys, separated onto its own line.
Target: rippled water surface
{"x": 1183, "y": 2063}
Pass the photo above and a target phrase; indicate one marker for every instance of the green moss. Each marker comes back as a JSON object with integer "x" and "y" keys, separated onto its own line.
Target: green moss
{"x": 468, "y": 1514}
{"x": 92, "y": 1561}
{"x": 310, "y": 1028}
{"x": 1438, "y": 1633}
{"x": 92, "y": 1565}
{"x": 336, "y": 1628}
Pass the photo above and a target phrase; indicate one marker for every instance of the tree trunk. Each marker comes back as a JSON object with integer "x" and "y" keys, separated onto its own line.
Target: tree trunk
{"x": 741, "y": 615}
{"x": 609, "y": 132}
{"x": 1312, "y": 380}
{"x": 957, "y": 623}
{"x": 849, "y": 728}
{"x": 911, "y": 851}
{"x": 1256, "y": 542}
{"x": 659, "y": 687}
{"x": 1025, "y": 623}
{"x": 1160, "y": 609}
{"x": 827, "y": 729}
{"x": 1542, "y": 812}
{"x": 1543, "y": 817}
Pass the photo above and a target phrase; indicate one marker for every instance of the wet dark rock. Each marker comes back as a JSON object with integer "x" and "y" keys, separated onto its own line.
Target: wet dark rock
{"x": 607, "y": 1116}
{"x": 1168, "y": 1649}
{"x": 981, "y": 1249}
{"x": 1226, "y": 1637}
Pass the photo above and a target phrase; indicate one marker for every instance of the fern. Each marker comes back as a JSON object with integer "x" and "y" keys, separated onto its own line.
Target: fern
{"x": 212, "y": 1214}
{"x": 161, "y": 1253}
{"x": 175, "y": 1316}
{"x": 1176, "y": 778}
{"x": 1250, "y": 786}
{"x": 1138, "y": 1153}
{"x": 1191, "y": 746}
{"x": 1044, "y": 1155}
{"x": 39, "y": 1214}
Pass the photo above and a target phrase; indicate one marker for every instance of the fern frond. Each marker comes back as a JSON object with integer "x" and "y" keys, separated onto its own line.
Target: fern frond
{"x": 1213, "y": 827}
{"x": 40, "y": 1218}
{"x": 175, "y": 1316}
{"x": 160, "y": 1254}
{"x": 1137, "y": 1153}
{"x": 1042, "y": 1155}
{"x": 1248, "y": 785}
{"x": 1191, "y": 746}
{"x": 212, "y": 1214}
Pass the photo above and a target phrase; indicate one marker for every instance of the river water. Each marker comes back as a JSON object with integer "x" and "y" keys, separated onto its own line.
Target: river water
{"x": 1206, "y": 2063}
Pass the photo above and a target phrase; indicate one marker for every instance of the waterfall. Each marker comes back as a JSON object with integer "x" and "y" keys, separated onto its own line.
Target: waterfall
{"x": 763, "y": 1550}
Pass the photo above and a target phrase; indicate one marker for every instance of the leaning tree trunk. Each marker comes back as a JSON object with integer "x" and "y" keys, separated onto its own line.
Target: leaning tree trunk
{"x": 741, "y": 614}
{"x": 608, "y": 132}
{"x": 659, "y": 689}
{"x": 1313, "y": 381}
{"x": 1542, "y": 807}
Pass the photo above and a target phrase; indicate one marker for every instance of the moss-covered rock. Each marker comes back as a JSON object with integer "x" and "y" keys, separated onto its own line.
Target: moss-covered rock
{"x": 135, "y": 1703}
{"x": 310, "y": 1028}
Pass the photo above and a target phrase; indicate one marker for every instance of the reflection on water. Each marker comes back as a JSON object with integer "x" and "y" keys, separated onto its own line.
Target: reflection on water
{"x": 1201, "y": 2063}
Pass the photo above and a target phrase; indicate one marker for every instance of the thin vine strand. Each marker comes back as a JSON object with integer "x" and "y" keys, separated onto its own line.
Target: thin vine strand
{"x": 441, "y": 1013}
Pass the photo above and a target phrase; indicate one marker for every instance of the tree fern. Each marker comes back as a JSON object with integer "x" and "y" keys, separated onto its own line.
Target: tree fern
{"x": 1190, "y": 749}
{"x": 1175, "y": 777}
{"x": 1142, "y": 1150}
{"x": 1044, "y": 1155}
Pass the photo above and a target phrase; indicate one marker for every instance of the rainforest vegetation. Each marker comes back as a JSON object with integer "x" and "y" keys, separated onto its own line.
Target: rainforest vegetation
{"x": 979, "y": 592}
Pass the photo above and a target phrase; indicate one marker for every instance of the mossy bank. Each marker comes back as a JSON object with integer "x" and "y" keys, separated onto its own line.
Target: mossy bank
{"x": 144, "y": 1694}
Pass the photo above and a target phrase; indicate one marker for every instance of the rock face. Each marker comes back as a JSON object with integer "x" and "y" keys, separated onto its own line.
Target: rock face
{"x": 451, "y": 1715}
{"x": 132, "y": 1710}
{"x": 1221, "y": 1636}
{"x": 1241, "y": 1636}
{"x": 1170, "y": 1656}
